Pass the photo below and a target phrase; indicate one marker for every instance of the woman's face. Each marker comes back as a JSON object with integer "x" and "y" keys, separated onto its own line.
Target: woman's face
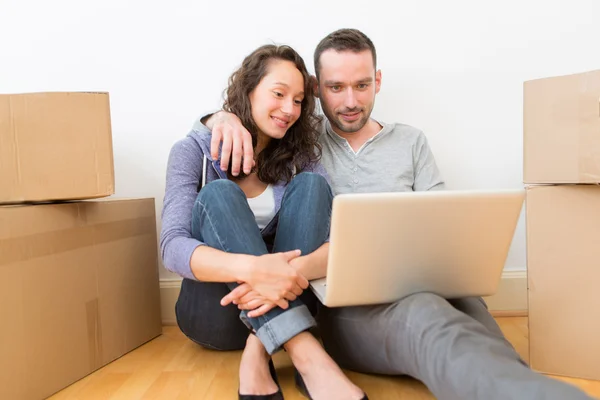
{"x": 276, "y": 101}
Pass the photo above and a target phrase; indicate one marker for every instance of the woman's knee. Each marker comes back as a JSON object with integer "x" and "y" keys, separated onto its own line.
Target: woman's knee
{"x": 219, "y": 196}
{"x": 310, "y": 184}
{"x": 310, "y": 179}
{"x": 218, "y": 188}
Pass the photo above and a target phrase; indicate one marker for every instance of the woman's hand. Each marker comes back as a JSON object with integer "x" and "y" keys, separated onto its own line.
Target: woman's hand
{"x": 272, "y": 277}
{"x": 248, "y": 299}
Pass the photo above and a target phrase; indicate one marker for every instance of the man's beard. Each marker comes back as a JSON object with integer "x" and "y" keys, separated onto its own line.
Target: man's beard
{"x": 348, "y": 127}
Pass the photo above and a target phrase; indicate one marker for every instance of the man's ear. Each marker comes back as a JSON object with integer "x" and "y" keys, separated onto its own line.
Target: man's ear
{"x": 315, "y": 85}
{"x": 377, "y": 81}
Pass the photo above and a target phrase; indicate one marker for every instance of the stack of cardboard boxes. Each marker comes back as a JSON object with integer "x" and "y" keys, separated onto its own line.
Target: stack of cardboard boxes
{"x": 562, "y": 172}
{"x": 78, "y": 278}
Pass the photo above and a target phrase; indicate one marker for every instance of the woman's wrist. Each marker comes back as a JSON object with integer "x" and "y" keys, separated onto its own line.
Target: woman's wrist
{"x": 299, "y": 264}
{"x": 245, "y": 267}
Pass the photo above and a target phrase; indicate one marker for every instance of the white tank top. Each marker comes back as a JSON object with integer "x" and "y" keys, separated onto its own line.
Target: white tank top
{"x": 263, "y": 207}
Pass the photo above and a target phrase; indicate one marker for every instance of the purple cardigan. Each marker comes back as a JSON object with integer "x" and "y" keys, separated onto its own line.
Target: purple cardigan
{"x": 184, "y": 173}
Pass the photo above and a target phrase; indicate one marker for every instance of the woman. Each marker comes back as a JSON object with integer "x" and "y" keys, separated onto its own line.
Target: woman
{"x": 258, "y": 233}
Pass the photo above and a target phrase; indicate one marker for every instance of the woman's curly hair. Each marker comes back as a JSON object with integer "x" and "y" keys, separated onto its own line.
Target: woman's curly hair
{"x": 299, "y": 147}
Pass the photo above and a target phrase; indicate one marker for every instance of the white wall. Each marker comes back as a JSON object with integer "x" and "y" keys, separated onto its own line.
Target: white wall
{"x": 452, "y": 68}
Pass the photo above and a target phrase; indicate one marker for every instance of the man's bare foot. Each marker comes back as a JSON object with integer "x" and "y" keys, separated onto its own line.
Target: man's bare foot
{"x": 324, "y": 379}
{"x": 255, "y": 377}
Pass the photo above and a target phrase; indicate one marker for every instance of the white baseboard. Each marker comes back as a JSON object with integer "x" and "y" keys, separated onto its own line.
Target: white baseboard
{"x": 169, "y": 292}
{"x": 510, "y": 300}
{"x": 511, "y": 297}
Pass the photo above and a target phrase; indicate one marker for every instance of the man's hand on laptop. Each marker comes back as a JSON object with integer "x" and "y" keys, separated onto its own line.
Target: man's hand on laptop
{"x": 237, "y": 142}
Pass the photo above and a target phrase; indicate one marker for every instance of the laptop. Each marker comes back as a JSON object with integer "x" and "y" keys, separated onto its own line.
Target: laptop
{"x": 386, "y": 246}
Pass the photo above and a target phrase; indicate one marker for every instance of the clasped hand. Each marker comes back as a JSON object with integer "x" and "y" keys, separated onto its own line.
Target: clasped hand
{"x": 272, "y": 282}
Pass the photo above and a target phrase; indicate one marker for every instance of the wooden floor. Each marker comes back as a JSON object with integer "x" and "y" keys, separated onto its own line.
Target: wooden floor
{"x": 172, "y": 367}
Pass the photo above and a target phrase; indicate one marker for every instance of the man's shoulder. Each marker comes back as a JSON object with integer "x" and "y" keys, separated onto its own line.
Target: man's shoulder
{"x": 405, "y": 131}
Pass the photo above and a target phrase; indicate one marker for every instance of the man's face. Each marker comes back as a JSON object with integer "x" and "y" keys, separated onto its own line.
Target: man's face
{"x": 348, "y": 83}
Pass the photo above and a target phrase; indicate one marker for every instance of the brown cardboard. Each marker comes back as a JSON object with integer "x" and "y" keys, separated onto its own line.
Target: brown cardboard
{"x": 55, "y": 146}
{"x": 563, "y": 266}
{"x": 79, "y": 289}
{"x": 561, "y": 127}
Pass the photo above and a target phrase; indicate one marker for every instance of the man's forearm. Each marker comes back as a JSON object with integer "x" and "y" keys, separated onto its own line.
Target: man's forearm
{"x": 313, "y": 265}
{"x": 209, "y": 120}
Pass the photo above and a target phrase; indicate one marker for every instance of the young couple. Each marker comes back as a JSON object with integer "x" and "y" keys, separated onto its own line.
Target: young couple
{"x": 246, "y": 219}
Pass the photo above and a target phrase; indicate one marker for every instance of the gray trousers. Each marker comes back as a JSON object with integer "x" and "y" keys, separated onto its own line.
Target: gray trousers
{"x": 454, "y": 347}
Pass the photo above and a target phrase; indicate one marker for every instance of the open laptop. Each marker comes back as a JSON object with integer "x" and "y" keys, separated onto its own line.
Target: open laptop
{"x": 385, "y": 246}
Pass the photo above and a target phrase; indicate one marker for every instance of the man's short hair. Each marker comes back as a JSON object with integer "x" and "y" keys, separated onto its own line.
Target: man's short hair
{"x": 344, "y": 40}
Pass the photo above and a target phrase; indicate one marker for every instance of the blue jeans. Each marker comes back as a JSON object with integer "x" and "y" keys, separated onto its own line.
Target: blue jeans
{"x": 223, "y": 220}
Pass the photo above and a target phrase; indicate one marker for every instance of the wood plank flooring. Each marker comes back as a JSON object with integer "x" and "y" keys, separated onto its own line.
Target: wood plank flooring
{"x": 172, "y": 367}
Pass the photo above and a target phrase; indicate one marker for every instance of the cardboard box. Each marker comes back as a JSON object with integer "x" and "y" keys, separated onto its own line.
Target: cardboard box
{"x": 563, "y": 265}
{"x": 561, "y": 127}
{"x": 55, "y": 146}
{"x": 79, "y": 289}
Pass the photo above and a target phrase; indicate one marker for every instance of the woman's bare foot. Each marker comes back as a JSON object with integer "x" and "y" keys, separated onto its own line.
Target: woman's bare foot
{"x": 324, "y": 379}
{"x": 255, "y": 377}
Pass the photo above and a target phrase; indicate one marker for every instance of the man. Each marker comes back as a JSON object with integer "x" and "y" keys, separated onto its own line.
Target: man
{"x": 454, "y": 347}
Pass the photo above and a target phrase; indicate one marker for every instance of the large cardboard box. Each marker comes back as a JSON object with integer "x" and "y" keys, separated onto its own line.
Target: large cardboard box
{"x": 561, "y": 128}
{"x": 563, "y": 266}
{"x": 55, "y": 146}
{"x": 78, "y": 288}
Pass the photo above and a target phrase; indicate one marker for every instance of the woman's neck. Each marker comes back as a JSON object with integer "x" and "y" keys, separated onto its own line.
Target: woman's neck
{"x": 262, "y": 141}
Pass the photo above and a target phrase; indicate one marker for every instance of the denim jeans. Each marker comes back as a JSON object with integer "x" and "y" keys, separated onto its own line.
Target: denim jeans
{"x": 223, "y": 220}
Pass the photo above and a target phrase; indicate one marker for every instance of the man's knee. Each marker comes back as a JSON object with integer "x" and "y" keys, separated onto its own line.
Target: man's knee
{"x": 422, "y": 300}
{"x": 422, "y": 308}
{"x": 469, "y": 305}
